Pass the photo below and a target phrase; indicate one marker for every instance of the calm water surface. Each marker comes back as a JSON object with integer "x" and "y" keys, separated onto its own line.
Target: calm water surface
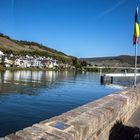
{"x": 28, "y": 97}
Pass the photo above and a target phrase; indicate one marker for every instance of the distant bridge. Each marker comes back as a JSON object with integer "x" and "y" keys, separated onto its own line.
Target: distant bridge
{"x": 121, "y": 74}
{"x": 91, "y": 67}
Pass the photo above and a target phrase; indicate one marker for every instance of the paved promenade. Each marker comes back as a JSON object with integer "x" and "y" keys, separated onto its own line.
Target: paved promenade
{"x": 135, "y": 119}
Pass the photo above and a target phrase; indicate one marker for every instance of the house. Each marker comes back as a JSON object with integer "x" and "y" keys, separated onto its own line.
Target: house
{"x": 17, "y": 62}
{"x": 1, "y": 57}
{"x": 8, "y": 62}
{"x": 55, "y": 63}
{"x": 1, "y": 53}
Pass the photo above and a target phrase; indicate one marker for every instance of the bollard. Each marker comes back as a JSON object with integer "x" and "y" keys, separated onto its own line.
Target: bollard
{"x": 106, "y": 80}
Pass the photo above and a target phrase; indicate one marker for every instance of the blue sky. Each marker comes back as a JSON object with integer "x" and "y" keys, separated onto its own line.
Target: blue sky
{"x": 82, "y": 28}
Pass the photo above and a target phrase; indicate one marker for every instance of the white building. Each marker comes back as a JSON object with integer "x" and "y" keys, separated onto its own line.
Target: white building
{"x": 39, "y": 62}
{"x": 8, "y": 62}
{"x": 17, "y": 62}
{"x": 1, "y": 56}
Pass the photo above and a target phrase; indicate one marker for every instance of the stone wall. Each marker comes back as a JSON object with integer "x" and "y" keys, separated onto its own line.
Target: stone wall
{"x": 92, "y": 121}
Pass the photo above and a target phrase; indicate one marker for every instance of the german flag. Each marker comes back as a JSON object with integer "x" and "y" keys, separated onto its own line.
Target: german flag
{"x": 136, "y": 28}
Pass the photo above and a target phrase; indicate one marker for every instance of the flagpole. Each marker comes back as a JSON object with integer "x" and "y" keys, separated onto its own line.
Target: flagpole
{"x": 135, "y": 81}
{"x": 136, "y": 37}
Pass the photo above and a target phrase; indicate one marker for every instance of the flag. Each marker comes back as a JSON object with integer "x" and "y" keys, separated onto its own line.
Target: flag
{"x": 136, "y": 28}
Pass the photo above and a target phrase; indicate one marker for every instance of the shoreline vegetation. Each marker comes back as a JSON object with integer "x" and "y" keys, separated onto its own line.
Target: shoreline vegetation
{"x": 2, "y": 68}
{"x": 80, "y": 69}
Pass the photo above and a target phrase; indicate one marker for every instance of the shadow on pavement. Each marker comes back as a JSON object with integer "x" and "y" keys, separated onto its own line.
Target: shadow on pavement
{"x": 123, "y": 132}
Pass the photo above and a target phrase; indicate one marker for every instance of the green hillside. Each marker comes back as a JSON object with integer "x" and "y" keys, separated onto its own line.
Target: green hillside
{"x": 122, "y": 60}
{"x": 8, "y": 45}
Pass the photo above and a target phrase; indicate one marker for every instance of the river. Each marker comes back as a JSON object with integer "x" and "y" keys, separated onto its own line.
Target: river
{"x": 28, "y": 97}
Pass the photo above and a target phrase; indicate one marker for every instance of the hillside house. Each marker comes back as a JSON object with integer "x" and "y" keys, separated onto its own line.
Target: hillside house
{"x": 1, "y": 57}
{"x": 8, "y": 62}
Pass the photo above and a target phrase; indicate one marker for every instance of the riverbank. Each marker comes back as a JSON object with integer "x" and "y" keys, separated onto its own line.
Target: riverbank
{"x": 105, "y": 70}
{"x": 33, "y": 69}
{"x": 94, "y": 120}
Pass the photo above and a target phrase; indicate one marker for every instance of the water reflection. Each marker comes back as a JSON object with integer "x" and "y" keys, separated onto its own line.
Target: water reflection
{"x": 115, "y": 86}
{"x": 25, "y": 82}
{"x": 27, "y": 76}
